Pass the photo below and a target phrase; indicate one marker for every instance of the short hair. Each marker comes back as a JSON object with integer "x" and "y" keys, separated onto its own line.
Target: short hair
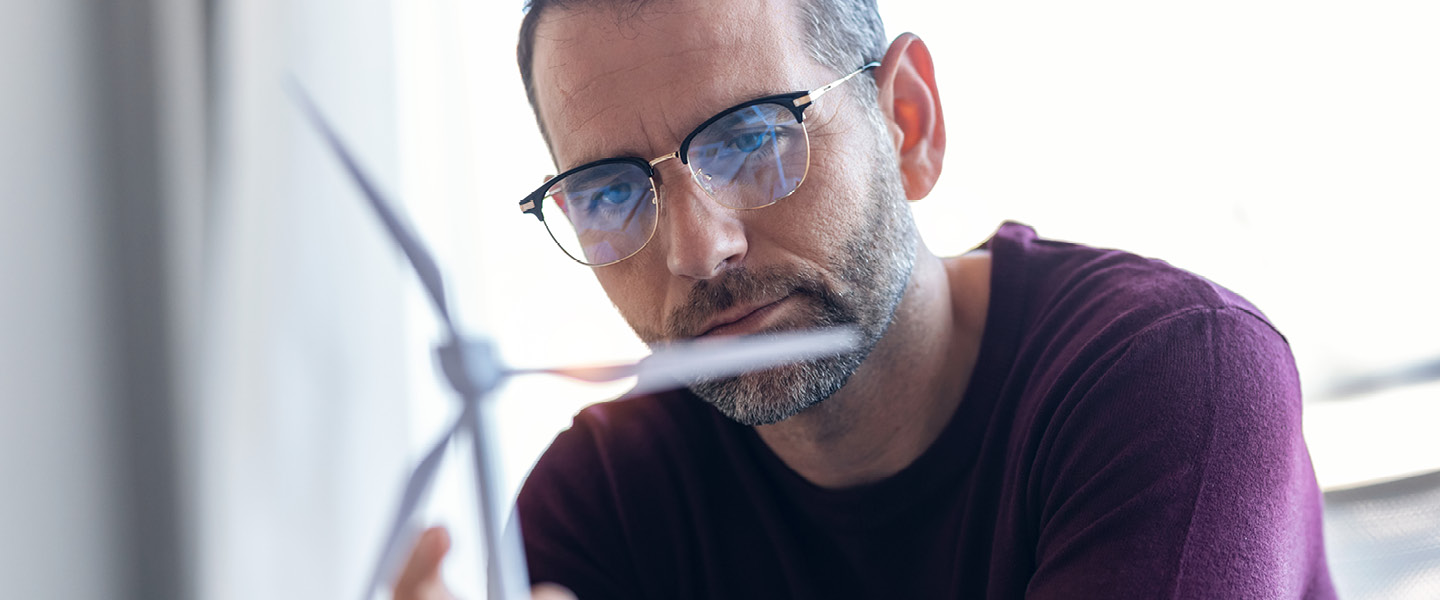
{"x": 840, "y": 34}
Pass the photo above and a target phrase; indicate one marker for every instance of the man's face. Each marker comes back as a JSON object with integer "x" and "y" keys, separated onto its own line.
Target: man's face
{"x": 837, "y": 251}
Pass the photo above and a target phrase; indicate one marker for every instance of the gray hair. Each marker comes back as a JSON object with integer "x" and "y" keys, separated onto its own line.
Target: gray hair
{"x": 840, "y": 34}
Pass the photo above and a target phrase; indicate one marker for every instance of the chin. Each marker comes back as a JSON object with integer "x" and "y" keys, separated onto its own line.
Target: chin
{"x": 773, "y": 395}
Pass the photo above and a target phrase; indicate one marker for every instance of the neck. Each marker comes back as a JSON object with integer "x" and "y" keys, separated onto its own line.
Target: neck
{"x": 900, "y": 399}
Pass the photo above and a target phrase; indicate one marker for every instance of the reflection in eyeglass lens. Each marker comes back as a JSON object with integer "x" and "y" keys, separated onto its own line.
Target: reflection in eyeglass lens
{"x": 608, "y": 209}
{"x": 751, "y": 157}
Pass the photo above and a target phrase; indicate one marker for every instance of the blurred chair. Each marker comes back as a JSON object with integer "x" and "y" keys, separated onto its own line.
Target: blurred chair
{"x": 1383, "y": 539}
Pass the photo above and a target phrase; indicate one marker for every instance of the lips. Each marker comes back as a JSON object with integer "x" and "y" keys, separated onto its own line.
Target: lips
{"x": 741, "y": 320}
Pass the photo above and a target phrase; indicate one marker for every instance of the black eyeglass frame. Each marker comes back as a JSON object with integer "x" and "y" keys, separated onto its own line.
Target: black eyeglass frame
{"x": 795, "y": 102}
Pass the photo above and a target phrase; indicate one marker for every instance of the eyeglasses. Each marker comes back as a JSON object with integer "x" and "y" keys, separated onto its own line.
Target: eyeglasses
{"x": 749, "y": 156}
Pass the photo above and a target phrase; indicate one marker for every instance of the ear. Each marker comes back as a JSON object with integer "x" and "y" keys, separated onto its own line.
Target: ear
{"x": 911, "y": 103}
{"x": 558, "y": 198}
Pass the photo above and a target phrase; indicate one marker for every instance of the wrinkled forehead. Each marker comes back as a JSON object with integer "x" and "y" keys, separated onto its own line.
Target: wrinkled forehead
{"x": 633, "y": 82}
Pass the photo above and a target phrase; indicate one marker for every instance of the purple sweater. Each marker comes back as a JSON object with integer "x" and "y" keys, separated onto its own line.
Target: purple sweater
{"x": 1131, "y": 430}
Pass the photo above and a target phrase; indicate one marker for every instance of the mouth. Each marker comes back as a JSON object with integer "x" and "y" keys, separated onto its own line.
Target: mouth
{"x": 743, "y": 320}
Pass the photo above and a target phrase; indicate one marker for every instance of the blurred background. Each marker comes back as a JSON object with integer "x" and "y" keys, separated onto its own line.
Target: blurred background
{"x": 214, "y": 369}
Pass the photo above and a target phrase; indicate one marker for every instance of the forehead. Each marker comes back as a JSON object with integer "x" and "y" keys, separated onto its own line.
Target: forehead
{"x": 633, "y": 81}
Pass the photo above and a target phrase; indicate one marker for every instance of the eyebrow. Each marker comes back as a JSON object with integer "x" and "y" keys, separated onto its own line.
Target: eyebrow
{"x": 591, "y": 159}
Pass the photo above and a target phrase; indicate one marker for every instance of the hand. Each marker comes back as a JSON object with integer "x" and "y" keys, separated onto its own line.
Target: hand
{"x": 421, "y": 578}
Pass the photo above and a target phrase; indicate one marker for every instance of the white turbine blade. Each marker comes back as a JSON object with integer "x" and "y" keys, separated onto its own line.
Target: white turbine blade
{"x": 674, "y": 365}
{"x": 415, "y": 252}
{"x": 585, "y": 373}
{"x": 507, "y": 577}
{"x": 682, "y": 364}
{"x": 720, "y": 357}
{"x": 398, "y": 540}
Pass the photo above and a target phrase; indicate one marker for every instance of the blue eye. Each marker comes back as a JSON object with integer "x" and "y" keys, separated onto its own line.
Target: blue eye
{"x": 611, "y": 195}
{"x": 750, "y": 142}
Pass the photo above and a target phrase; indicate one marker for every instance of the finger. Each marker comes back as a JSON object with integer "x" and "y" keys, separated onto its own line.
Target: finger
{"x": 550, "y": 591}
{"x": 421, "y": 578}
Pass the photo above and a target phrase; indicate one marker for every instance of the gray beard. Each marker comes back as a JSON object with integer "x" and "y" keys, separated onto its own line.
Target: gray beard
{"x": 874, "y": 264}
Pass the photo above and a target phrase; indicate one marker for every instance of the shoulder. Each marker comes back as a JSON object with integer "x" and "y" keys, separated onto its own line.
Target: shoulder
{"x": 1115, "y": 351}
{"x": 1131, "y": 365}
{"x": 1176, "y": 380}
{"x": 1184, "y": 438}
{"x": 1164, "y": 406}
{"x": 1072, "y": 301}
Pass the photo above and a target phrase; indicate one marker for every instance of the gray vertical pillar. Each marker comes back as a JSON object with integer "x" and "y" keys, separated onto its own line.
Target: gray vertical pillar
{"x": 132, "y": 206}
{"x": 89, "y": 506}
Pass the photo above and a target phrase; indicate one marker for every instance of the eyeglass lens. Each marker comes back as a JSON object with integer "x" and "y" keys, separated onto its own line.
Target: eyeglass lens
{"x": 748, "y": 158}
{"x": 751, "y": 157}
{"x": 601, "y": 214}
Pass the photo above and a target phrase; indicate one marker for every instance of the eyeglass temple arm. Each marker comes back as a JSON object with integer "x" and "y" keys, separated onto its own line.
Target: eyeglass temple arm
{"x": 817, "y": 92}
{"x": 528, "y": 206}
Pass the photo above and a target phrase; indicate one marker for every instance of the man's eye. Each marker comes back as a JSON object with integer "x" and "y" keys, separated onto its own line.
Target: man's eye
{"x": 611, "y": 195}
{"x": 749, "y": 142}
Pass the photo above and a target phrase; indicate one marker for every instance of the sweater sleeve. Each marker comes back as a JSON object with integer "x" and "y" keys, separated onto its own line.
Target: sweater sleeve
{"x": 1176, "y": 468}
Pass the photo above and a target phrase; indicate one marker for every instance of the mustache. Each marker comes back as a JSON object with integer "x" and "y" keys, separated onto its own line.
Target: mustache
{"x": 743, "y": 286}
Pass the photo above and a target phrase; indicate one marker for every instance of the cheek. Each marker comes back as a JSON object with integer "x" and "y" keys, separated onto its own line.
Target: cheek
{"x": 636, "y": 292}
{"x": 828, "y": 207}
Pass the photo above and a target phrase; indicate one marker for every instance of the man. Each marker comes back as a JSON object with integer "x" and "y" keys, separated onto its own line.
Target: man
{"x": 1031, "y": 419}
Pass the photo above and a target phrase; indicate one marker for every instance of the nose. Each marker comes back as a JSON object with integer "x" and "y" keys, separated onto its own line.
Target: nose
{"x": 702, "y": 238}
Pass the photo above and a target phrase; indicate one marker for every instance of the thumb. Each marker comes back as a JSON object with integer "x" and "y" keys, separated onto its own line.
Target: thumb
{"x": 550, "y": 591}
{"x": 421, "y": 578}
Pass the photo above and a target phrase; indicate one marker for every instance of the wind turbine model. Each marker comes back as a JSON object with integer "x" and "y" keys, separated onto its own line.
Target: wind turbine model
{"x": 473, "y": 368}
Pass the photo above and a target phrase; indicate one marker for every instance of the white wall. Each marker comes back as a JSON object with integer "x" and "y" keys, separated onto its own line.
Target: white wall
{"x": 299, "y": 423}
